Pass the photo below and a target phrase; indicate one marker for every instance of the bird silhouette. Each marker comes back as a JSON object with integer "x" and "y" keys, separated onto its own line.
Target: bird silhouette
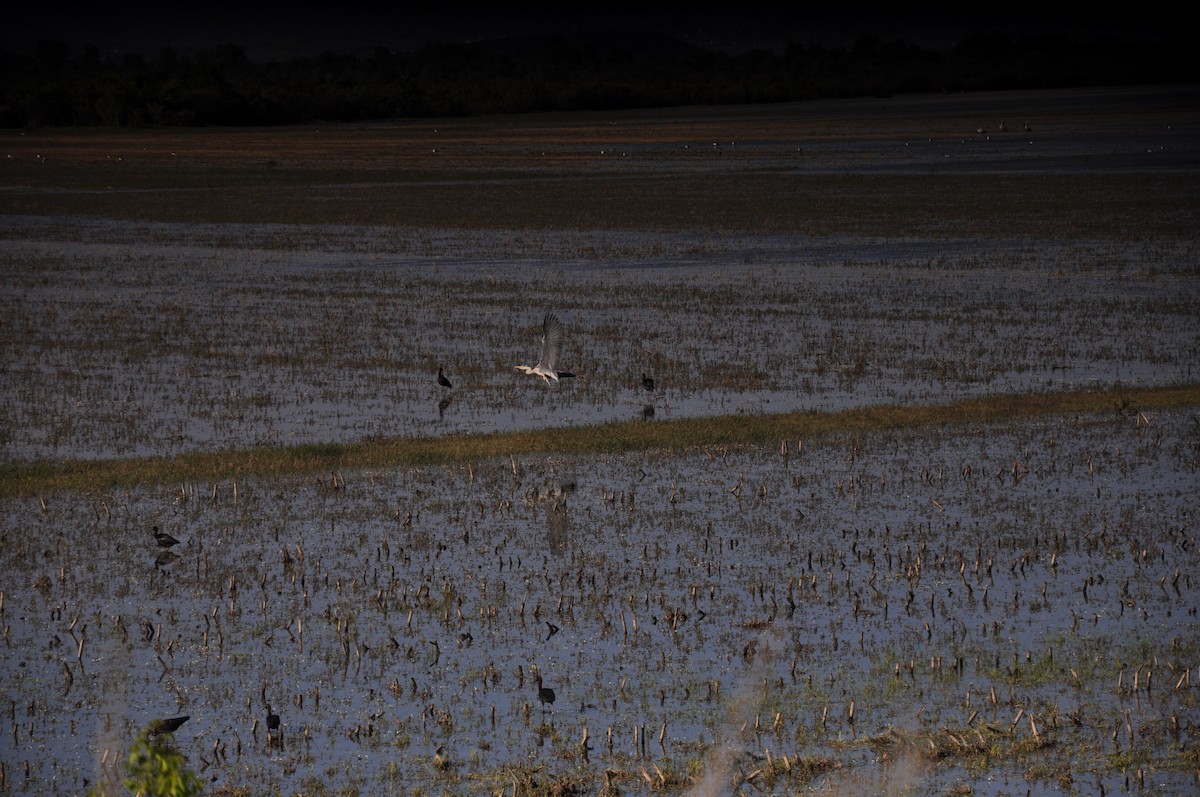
{"x": 552, "y": 335}
{"x": 164, "y": 539}
{"x": 442, "y": 380}
{"x": 647, "y": 382}
{"x": 545, "y": 694}
{"x": 272, "y": 717}
{"x": 168, "y": 725}
{"x": 274, "y": 732}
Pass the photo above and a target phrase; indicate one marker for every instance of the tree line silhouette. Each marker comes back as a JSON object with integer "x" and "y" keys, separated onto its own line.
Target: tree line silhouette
{"x": 58, "y": 85}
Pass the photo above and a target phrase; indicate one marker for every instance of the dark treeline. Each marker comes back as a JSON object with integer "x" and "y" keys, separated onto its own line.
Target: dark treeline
{"x": 63, "y": 86}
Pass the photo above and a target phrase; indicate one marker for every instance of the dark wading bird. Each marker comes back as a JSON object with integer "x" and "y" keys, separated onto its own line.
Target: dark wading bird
{"x": 167, "y": 726}
{"x": 272, "y": 717}
{"x": 545, "y": 693}
{"x": 442, "y": 380}
{"x": 552, "y": 335}
{"x": 164, "y": 539}
{"x": 647, "y": 382}
{"x": 274, "y": 732}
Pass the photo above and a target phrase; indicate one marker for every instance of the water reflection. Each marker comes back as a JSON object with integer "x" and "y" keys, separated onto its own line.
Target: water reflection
{"x": 657, "y": 596}
{"x": 556, "y": 527}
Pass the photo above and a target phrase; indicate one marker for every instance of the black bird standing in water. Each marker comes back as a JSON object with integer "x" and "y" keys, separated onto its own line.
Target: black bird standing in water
{"x": 545, "y": 693}
{"x": 164, "y": 539}
{"x": 274, "y": 734}
{"x": 442, "y": 380}
{"x": 272, "y": 722}
{"x": 647, "y": 382}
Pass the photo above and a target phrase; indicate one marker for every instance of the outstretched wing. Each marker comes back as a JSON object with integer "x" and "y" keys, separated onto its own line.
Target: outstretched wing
{"x": 552, "y": 334}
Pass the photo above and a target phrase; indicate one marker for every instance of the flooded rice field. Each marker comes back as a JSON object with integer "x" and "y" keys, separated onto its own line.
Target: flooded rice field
{"x": 999, "y": 609}
{"x": 148, "y": 339}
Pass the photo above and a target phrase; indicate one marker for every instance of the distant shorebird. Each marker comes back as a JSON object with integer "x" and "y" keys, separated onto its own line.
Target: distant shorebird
{"x": 168, "y": 725}
{"x": 545, "y": 694}
{"x": 442, "y": 380}
{"x": 274, "y": 734}
{"x": 272, "y": 717}
{"x": 164, "y": 539}
{"x": 552, "y": 335}
{"x": 647, "y": 382}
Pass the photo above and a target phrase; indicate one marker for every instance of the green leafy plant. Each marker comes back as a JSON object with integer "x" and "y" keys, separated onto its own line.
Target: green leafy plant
{"x": 156, "y": 768}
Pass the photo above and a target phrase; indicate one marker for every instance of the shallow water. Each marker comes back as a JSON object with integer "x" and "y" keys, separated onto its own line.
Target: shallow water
{"x": 1007, "y": 609}
{"x": 144, "y": 339}
{"x": 959, "y": 580}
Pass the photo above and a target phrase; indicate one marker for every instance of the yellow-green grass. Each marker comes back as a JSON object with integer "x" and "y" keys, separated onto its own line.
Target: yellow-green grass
{"x": 42, "y": 477}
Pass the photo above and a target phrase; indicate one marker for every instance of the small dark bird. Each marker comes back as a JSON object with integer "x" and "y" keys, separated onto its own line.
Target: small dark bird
{"x": 164, "y": 539}
{"x": 167, "y": 726}
{"x": 442, "y": 380}
{"x": 272, "y": 719}
{"x": 545, "y": 693}
{"x": 647, "y": 382}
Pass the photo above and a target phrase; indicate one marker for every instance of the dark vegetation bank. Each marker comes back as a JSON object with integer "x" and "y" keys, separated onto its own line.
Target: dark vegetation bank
{"x": 59, "y": 84}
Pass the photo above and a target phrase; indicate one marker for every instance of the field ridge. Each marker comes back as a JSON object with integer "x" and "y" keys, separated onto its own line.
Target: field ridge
{"x": 44, "y": 477}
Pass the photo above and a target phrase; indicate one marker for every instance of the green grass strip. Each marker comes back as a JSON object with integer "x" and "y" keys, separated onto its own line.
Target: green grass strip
{"x": 45, "y": 477}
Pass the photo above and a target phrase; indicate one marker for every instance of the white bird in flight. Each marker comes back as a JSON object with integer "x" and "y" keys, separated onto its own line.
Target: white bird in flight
{"x": 552, "y": 334}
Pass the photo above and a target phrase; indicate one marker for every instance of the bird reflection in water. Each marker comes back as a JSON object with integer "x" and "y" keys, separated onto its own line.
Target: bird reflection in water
{"x": 556, "y": 527}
